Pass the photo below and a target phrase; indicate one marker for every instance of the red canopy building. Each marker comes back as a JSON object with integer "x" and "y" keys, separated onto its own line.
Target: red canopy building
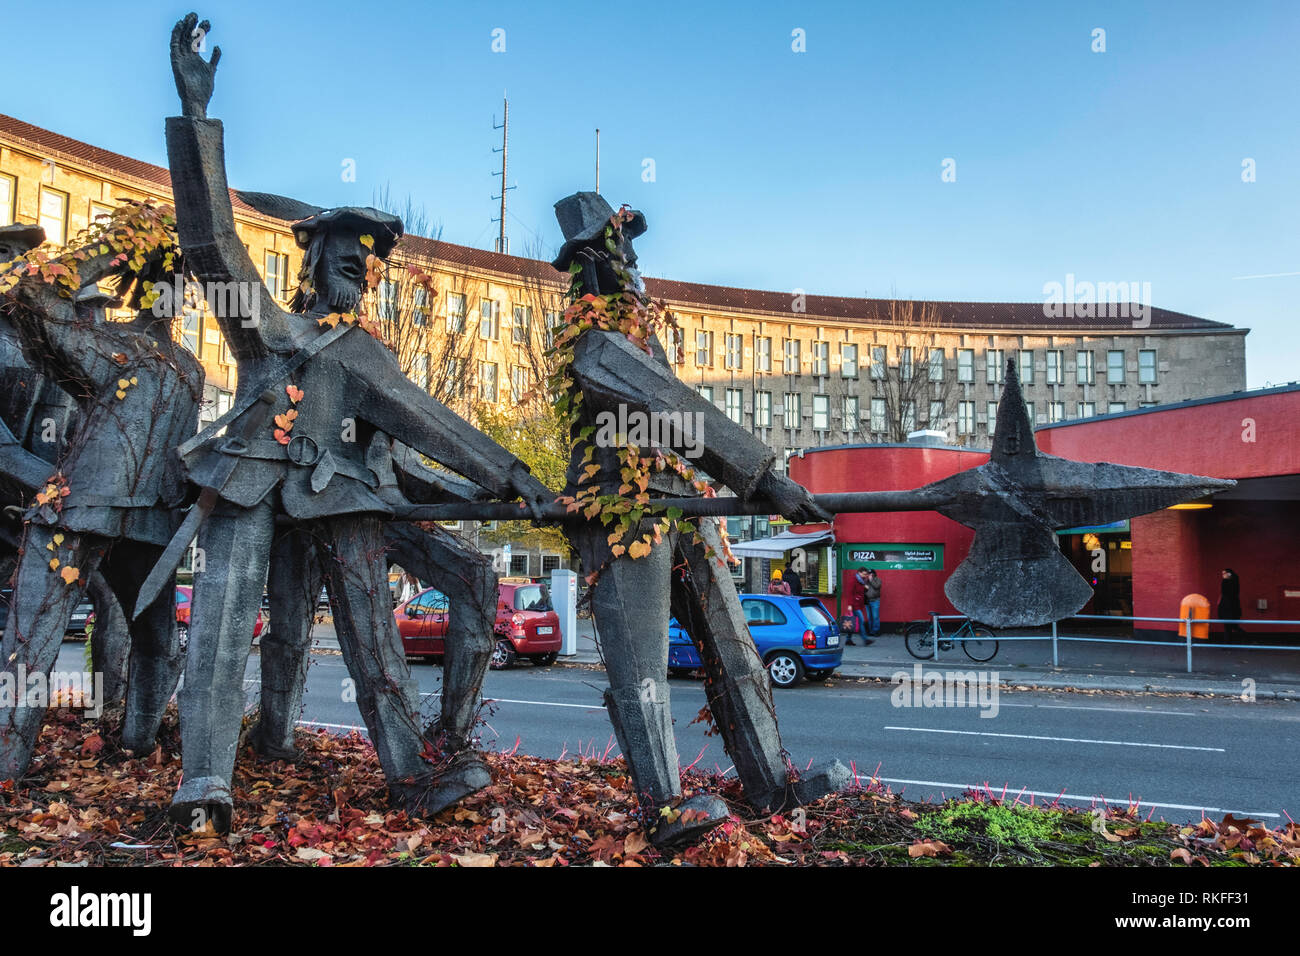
{"x": 1141, "y": 567}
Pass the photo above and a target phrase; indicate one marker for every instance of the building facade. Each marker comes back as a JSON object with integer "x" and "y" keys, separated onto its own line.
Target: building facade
{"x": 800, "y": 371}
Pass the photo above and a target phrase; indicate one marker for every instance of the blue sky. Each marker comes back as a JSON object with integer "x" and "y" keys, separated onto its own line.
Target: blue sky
{"x": 773, "y": 169}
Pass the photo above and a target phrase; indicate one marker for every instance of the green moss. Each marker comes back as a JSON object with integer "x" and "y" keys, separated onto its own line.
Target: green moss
{"x": 1005, "y": 825}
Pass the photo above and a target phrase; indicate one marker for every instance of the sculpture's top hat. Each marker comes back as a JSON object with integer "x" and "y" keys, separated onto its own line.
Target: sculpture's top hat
{"x": 583, "y": 218}
{"x": 21, "y": 236}
{"x": 384, "y": 227}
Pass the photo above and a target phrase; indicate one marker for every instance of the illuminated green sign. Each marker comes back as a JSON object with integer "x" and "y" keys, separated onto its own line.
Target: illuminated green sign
{"x": 892, "y": 557}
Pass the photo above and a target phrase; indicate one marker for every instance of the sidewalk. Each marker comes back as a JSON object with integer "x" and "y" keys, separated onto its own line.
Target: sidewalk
{"x": 1084, "y": 665}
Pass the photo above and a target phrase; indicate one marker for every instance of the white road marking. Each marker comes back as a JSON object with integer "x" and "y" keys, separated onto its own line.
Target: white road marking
{"x": 1110, "y": 710}
{"x": 317, "y": 723}
{"x": 540, "y": 703}
{"x": 1069, "y": 740}
{"x": 1065, "y": 796}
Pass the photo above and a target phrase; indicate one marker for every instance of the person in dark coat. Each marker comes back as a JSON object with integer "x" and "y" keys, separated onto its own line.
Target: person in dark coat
{"x": 857, "y": 604}
{"x": 796, "y": 583}
{"x": 1230, "y": 603}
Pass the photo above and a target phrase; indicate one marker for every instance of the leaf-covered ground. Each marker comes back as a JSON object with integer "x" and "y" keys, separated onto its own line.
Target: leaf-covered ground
{"x": 86, "y": 801}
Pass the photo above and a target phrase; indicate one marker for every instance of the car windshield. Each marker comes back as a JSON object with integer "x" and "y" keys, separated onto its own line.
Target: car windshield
{"x": 815, "y": 614}
{"x": 533, "y": 597}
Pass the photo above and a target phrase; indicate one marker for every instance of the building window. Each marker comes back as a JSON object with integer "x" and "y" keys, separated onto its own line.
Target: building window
{"x": 1147, "y": 404}
{"x": 763, "y": 409}
{"x": 763, "y": 354}
{"x": 736, "y": 404}
{"x": 965, "y": 365}
{"x": 550, "y": 562}
{"x": 936, "y": 413}
{"x": 905, "y": 363}
{"x": 386, "y": 309}
{"x": 785, "y": 461}
{"x": 1029, "y": 410}
{"x": 706, "y": 392}
{"x": 552, "y": 320}
{"x": 850, "y": 413}
{"x": 965, "y": 418}
{"x": 1147, "y": 366}
{"x": 489, "y": 321}
{"x": 227, "y": 356}
{"x": 455, "y": 312}
{"x": 821, "y": 413}
{"x": 793, "y": 410}
{"x": 1056, "y": 411}
{"x": 1083, "y": 371}
{"x": 519, "y": 564}
{"x": 420, "y": 306}
{"x": 848, "y": 361}
{"x": 519, "y": 383}
{"x": 878, "y": 415}
{"x": 909, "y": 417}
{"x": 735, "y": 357}
{"x": 191, "y": 331}
{"x": 277, "y": 279}
{"x": 878, "y": 359}
{"x": 54, "y": 215}
{"x": 521, "y": 329}
{"x": 991, "y": 410}
{"x": 821, "y": 358}
{"x": 1115, "y": 367}
{"x": 1026, "y": 367}
{"x": 791, "y": 356}
{"x": 487, "y": 381}
{"x": 452, "y": 370}
{"x": 1113, "y": 407}
{"x": 99, "y": 212}
{"x": 8, "y": 190}
{"x": 420, "y": 371}
{"x": 935, "y": 360}
{"x": 675, "y": 345}
{"x": 1055, "y": 367}
{"x": 704, "y": 349}
{"x": 1086, "y": 409}
{"x": 994, "y": 366}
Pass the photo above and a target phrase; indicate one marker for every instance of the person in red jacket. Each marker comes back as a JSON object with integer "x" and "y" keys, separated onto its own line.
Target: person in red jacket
{"x": 857, "y": 604}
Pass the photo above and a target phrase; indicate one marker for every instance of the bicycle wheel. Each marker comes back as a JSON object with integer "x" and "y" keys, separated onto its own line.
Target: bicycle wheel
{"x": 981, "y": 645}
{"x": 918, "y": 638}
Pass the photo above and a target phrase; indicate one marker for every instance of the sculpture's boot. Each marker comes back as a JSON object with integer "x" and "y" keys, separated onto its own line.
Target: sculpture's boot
{"x": 235, "y": 542}
{"x": 43, "y": 603}
{"x": 155, "y": 659}
{"x": 825, "y": 777}
{"x": 356, "y": 574}
{"x": 468, "y": 773}
{"x": 739, "y": 691}
{"x": 293, "y": 586}
{"x": 689, "y": 821}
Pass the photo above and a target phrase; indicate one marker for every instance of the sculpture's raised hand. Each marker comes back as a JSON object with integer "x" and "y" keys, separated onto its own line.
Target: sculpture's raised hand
{"x": 791, "y": 499}
{"x": 193, "y": 74}
{"x": 533, "y": 492}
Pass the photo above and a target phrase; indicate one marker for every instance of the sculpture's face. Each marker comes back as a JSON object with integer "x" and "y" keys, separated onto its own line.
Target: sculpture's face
{"x": 340, "y": 272}
{"x": 12, "y": 250}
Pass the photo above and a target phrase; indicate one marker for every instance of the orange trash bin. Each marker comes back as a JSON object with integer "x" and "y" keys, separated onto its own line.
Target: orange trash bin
{"x": 1195, "y": 606}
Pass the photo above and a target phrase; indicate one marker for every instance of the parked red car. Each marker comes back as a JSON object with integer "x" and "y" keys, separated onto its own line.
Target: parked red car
{"x": 526, "y": 624}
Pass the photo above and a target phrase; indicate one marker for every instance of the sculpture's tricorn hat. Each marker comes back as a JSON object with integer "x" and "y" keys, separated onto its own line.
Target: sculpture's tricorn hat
{"x": 21, "y": 236}
{"x": 363, "y": 220}
{"x": 583, "y": 218}
{"x": 306, "y": 218}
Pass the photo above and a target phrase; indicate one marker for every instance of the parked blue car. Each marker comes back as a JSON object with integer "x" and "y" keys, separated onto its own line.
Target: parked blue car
{"x": 794, "y": 636}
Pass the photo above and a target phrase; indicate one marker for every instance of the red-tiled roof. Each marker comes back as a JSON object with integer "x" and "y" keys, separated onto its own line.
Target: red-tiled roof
{"x": 705, "y": 298}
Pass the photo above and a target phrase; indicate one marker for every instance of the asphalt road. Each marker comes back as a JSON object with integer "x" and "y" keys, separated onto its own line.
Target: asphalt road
{"x": 1177, "y": 756}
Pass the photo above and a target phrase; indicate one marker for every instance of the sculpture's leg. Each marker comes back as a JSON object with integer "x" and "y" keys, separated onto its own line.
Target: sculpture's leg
{"x": 236, "y": 543}
{"x": 109, "y": 639}
{"x": 630, "y": 605}
{"x": 293, "y": 584}
{"x": 155, "y": 658}
{"x": 43, "y": 601}
{"x": 705, "y": 603}
{"x": 465, "y": 576}
{"x": 356, "y": 574}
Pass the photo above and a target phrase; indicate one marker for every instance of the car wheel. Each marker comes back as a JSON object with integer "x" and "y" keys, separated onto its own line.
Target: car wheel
{"x": 183, "y": 636}
{"x": 784, "y": 668}
{"x": 503, "y": 655}
{"x": 819, "y": 674}
{"x": 545, "y": 660}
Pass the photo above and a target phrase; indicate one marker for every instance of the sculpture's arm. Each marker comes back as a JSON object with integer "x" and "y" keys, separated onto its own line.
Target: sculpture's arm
{"x": 18, "y": 463}
{"x": 397, "y": 406}
{"x": 422, "y": 485}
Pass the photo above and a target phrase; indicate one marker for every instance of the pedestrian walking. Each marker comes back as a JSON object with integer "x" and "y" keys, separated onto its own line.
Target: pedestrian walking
{"x": 794, "y": 581}
{"x": 776, "y": 585}
{"x": 873, "y": 586}
{"x": 1230, "y": 602}
{"x": 857, "y": 604}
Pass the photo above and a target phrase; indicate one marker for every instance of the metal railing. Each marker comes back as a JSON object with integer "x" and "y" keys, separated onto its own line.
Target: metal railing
{"x": 1056, "y": 638}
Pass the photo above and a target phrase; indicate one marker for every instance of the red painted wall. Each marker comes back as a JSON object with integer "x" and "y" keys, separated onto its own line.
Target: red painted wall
{"x": 907, "y": 595}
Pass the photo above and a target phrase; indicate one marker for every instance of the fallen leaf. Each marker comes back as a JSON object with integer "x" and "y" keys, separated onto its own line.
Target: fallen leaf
{"x": 69, "y": 574}
{"x": 929, "y": 848}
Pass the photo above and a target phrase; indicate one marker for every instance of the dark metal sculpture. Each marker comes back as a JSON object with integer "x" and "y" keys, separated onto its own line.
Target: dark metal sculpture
{"x": 631, "y": 598}
{"x": 335, "y": 388}
{"x": 114, "y": 490}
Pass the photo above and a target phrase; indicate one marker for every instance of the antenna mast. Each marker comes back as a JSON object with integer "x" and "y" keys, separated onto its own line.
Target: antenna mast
{"x": 503, "y": 243}
{"x": 598, "y": 161}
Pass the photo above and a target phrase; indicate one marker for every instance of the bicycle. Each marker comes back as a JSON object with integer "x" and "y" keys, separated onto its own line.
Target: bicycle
{"x": 978, "y": 641}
